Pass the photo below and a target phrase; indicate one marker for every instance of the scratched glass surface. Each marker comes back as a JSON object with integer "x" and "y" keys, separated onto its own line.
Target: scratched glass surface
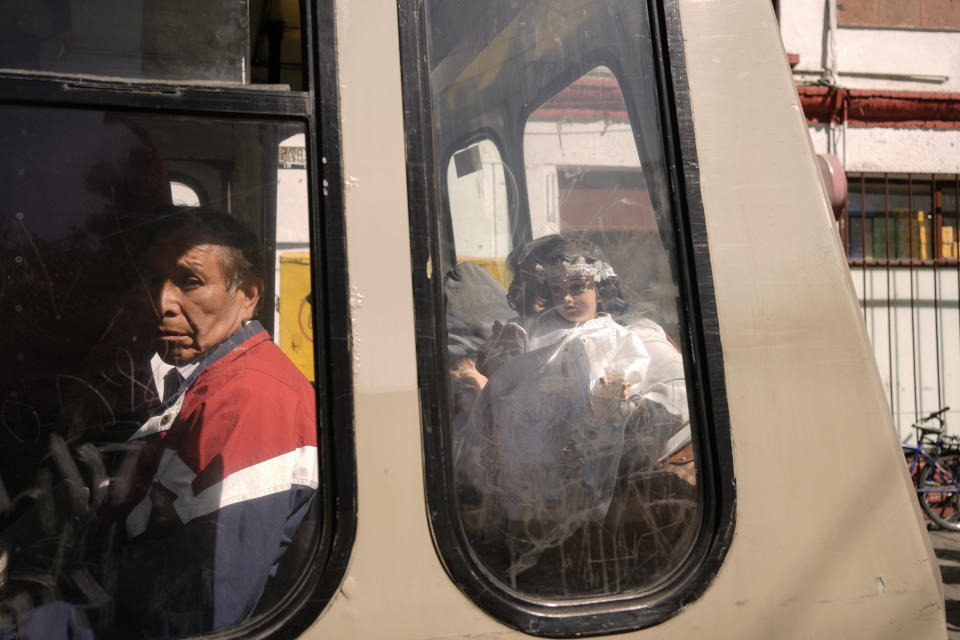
{"x": 80, "y": 186}
{"x": 229, "y": 41}
{"x": 572, "y": 446}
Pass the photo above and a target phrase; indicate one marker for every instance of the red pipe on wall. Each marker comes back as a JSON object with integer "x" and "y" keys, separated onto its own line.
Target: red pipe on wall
{"x": 879, "y": 108}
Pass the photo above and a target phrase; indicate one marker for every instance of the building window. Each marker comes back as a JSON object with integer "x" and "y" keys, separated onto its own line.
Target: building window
{"x": 901, "y": 218}
{"x": 900, "y": 233}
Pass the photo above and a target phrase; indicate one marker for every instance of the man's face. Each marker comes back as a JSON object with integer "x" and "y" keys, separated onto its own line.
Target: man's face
{"x": 192, "y": 300}
{"x": 536, "y": 295}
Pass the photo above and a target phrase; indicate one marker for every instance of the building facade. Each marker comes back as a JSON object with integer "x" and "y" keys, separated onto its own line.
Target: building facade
{"x": 879, "y": 83}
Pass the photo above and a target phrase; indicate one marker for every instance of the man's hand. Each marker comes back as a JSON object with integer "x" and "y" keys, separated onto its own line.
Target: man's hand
{"x": 508, "y": 341}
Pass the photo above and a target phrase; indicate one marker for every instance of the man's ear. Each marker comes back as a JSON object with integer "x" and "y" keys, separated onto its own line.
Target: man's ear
{"x": 251, "y": 291}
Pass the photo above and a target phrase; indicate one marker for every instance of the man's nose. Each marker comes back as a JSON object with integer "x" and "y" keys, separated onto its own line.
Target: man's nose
{"x": 166, "y": 299}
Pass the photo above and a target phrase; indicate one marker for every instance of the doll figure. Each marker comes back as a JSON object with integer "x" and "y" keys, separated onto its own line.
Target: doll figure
{"x": 576, "y": 412}
{"x": 547, "y": 433}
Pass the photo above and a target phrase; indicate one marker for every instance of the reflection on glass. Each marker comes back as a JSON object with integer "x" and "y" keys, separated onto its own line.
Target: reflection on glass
{"x": 188, "y": 40}
{"x": 294, "y": 315}
{"x": 183, "y": 194}
{"x": 123, "y": 503}
{"x": 477, "y": 190}
{"x": 573, "y": 451}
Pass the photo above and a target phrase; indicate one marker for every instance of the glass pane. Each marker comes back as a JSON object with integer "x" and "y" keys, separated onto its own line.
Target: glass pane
{"x": 148, "y": 400}
{"x": 880, "y": 227}
{"x": 921, "y": 219}
{"x": 900, "y": 234}
{"x": 573, "y": 451}
{"x": 949, "y": 216}
{"x": 899, "y": 217}
{"x": 231, "y": 41}
{"x": 855, "y": 233}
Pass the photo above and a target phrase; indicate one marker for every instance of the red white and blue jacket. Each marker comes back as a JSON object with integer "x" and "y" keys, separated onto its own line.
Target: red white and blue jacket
{"x": 227, "y": 472}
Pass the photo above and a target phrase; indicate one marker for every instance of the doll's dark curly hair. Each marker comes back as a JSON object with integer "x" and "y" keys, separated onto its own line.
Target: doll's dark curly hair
{"x": 532, "y": 262}
{"x": 526, "y": 263}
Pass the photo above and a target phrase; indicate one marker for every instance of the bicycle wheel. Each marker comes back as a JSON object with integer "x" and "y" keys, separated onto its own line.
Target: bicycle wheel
{"x": 939, "y": 492}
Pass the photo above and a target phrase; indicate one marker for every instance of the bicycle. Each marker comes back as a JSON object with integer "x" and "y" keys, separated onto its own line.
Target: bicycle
{"x": 934, "y": 463}
{"x": 926, "y": 444}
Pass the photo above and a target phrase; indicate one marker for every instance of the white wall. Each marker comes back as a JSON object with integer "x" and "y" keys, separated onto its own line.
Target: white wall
{"x": 912, "y": 341}
{"x": 879, "y": 51}
{"x": 862, "y": 50}
{"x": 888, "y": 149}
{"x": 917, "y": 344}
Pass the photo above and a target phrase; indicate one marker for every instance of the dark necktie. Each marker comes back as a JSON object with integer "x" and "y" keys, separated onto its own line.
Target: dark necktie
{"x": 171, "y": 382}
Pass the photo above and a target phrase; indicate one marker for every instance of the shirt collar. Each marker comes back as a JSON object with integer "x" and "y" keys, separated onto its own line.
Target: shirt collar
{"x": 191, "y": 370}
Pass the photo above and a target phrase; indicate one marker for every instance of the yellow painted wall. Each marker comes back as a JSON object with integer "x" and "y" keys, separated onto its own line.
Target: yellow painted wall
{"x": 497, "y": 267}
{"x": 296, "y": 315}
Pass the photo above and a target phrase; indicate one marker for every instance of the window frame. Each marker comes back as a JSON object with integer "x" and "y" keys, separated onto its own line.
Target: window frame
{"x": 700, "y": 337}
{"x": 317, "y": 110}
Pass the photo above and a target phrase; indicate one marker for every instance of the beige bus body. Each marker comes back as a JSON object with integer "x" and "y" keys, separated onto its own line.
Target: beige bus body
{"x": 828, "y": 540}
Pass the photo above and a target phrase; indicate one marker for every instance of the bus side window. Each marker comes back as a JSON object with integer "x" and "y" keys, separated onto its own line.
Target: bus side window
{"x": 161, "y": 411}
{"x": 224, "y": 41}
{"x": 569, "y": 430}
{"x": 81, "y": 316}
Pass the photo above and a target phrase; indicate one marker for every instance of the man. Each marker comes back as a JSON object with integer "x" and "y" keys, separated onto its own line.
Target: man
{"x": 474, "y": 302}
{"x": 227, "y": 468}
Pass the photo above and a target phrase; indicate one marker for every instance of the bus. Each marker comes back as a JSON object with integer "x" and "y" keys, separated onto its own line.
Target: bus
{"x": 703, "y": 447}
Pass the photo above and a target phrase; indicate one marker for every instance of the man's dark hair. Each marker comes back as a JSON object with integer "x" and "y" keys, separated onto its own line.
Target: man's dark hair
{"x": 242, "y": 258}
{"x": 473, "y": 301}
{"x": 527, "y": 284}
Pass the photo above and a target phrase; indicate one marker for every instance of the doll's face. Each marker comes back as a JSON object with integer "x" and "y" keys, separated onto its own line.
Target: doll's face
{"x": 575, "y": 299}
